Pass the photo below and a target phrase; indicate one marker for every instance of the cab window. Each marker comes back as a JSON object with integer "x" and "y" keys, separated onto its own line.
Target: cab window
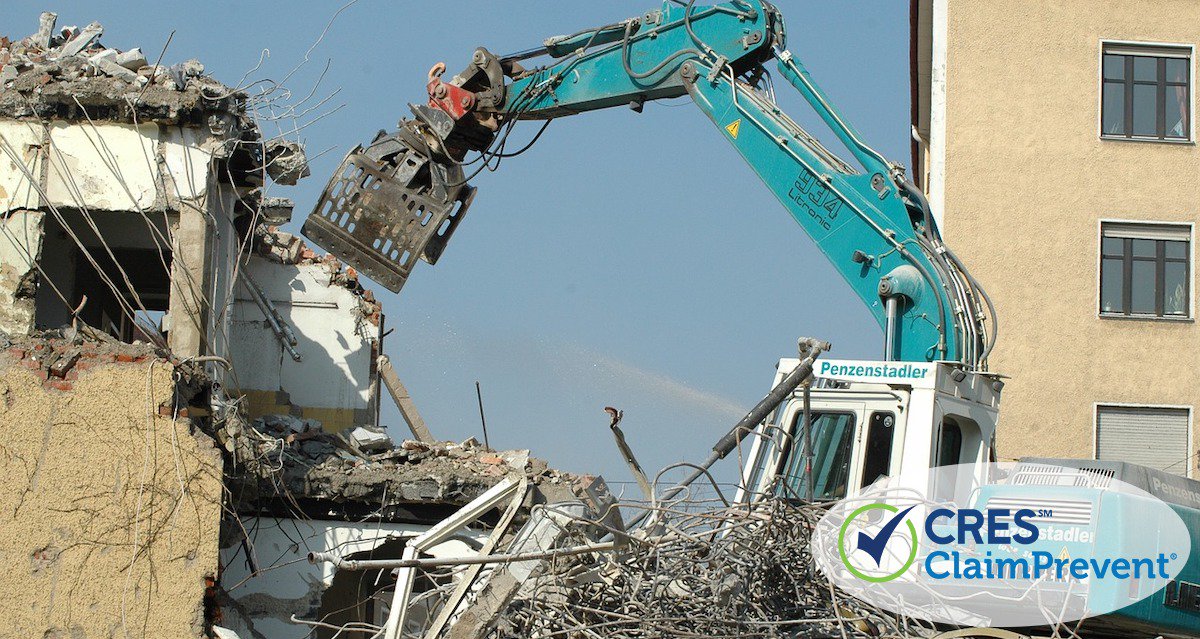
{"x": 947, "y": 452}
{"x": 949, "y": 445}
{"x": 833, "y": 438}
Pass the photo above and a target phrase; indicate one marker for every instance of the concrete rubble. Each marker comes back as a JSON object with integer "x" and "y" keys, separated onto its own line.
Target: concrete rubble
{"x": 71, "y": 72}
{"x": 244, "y": 410}
{"x": 286, "y": 162}
{"x": 287, "y": 458}
{"x": 201, "y": 391}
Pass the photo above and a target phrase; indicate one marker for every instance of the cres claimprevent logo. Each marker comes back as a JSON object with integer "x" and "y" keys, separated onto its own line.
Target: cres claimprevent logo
{"x": 1016, "y": 544}
{"x": 865, "y": 559}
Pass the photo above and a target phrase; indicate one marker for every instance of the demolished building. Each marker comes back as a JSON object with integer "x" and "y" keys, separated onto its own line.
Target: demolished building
{"x": 190, "y": 394}
{"x": 191, "y": 399}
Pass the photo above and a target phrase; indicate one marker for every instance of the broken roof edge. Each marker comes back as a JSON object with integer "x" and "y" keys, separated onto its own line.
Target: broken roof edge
{"x": 69, "y": 75}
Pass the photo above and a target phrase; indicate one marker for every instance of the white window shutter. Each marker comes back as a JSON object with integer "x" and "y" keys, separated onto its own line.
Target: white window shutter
{"x": 1154, "y": 437}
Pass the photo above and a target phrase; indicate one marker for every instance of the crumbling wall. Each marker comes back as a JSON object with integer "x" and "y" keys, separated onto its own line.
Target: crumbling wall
{"x": 88, "y": 130}
{"x": 70, "y": 171}
{"x": 110, "y": 504}
{"x": 336, "y": 326}
{"x": 260, "y": 605}
{"x": 20, "y": 248}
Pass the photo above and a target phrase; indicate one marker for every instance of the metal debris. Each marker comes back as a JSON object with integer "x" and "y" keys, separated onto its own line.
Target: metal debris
{"x": 696, "y": 566}
{"x": 714, "y": 572}
{"x": 389, "y": 205}
{"x": 701, "y": 568}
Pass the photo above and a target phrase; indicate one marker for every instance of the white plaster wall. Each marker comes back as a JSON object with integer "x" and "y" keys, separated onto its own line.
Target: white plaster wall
{"x": 21, "y": 240}
{"x": 187, "y": 161}
{"x": 20, "y": 247}
{"x": 105, "y": 166}
{"x": 20, "y": 145}
{"x": 223, "y": 261}
{"x": 335, "y": 371}
{"x": 280, "y": 547}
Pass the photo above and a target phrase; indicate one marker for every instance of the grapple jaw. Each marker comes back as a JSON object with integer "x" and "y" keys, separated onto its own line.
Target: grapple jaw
{"x": 401, "y": 197}
{"x": 397, "y": 200}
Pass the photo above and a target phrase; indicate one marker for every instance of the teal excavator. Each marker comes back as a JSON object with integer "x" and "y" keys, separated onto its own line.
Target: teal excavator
{"x": 930, "y": 401}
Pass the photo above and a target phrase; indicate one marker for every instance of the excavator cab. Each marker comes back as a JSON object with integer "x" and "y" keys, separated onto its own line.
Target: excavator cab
{"x": 867, "y": 420}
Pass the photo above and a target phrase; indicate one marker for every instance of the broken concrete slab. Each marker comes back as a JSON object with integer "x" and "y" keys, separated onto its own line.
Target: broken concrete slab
{"x": 106, "y": 54}
{"x": 285, "y": 161}
{"x": 370, "y": 440}
{"x": 313, "y": 469}
{"x": 45, "y": 29}
{"x": 404, "y": 402}
{"x": 81, "y": 40}
{"x": 276, "y": 210}
{"x": 132, "y": 59}
{"x": 111, "y": 68}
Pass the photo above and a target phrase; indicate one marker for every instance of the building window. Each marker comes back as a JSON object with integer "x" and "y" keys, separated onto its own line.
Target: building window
{"x": 1145, "y": 435}
{"x": 1145, "y": 270}
{"x": 1146, "y": 93}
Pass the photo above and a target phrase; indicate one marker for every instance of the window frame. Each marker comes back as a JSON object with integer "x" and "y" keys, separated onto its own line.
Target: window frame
{"x": 935, "y": 460}
{"x": 1191, "y": 272}
{"x": 793, "y": 437}
{"x": 1191, "y": 416}
{"x": 869, "y": 438}
{"x": 1133, "y": 44}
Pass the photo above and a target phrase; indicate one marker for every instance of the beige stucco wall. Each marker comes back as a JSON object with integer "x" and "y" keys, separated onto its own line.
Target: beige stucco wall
{"x": 110, "y": 513}
{"x": 1027, "y": 179}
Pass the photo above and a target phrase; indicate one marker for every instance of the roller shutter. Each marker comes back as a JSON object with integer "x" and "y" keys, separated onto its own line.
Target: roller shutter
{"x": 1154, "y": 437}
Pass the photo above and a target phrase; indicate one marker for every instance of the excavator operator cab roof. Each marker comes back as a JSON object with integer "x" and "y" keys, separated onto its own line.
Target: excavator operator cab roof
{"x": 871, "y": 419}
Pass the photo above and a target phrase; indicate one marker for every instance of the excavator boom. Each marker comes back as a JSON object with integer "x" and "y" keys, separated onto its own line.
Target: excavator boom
{"x": 400, "y": 198}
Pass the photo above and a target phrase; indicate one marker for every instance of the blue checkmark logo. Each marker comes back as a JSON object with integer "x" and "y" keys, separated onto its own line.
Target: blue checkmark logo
{"x": 874, "y": 545}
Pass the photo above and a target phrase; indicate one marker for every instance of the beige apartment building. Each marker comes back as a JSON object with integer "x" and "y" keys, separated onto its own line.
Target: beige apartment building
{"x": 1056, "y": 142}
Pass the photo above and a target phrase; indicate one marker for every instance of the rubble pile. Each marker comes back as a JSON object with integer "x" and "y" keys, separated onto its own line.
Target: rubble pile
{"x": 294, "y": 459}
{"x": 67, "y": 73}
{"x": 704, "y": 572}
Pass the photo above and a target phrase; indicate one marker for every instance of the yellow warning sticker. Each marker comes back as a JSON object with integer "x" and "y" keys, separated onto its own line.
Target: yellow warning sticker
{"x": 733, "y": 127}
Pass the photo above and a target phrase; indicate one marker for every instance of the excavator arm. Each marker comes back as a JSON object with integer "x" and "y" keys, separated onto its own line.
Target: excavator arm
{"x": 401, "y": 197}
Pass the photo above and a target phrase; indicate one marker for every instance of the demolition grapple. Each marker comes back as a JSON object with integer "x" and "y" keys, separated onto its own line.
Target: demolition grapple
{"x": 400, "y": 198}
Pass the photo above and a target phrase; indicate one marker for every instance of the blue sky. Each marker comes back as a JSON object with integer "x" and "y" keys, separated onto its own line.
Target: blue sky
{"x": 626, "y": 260}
